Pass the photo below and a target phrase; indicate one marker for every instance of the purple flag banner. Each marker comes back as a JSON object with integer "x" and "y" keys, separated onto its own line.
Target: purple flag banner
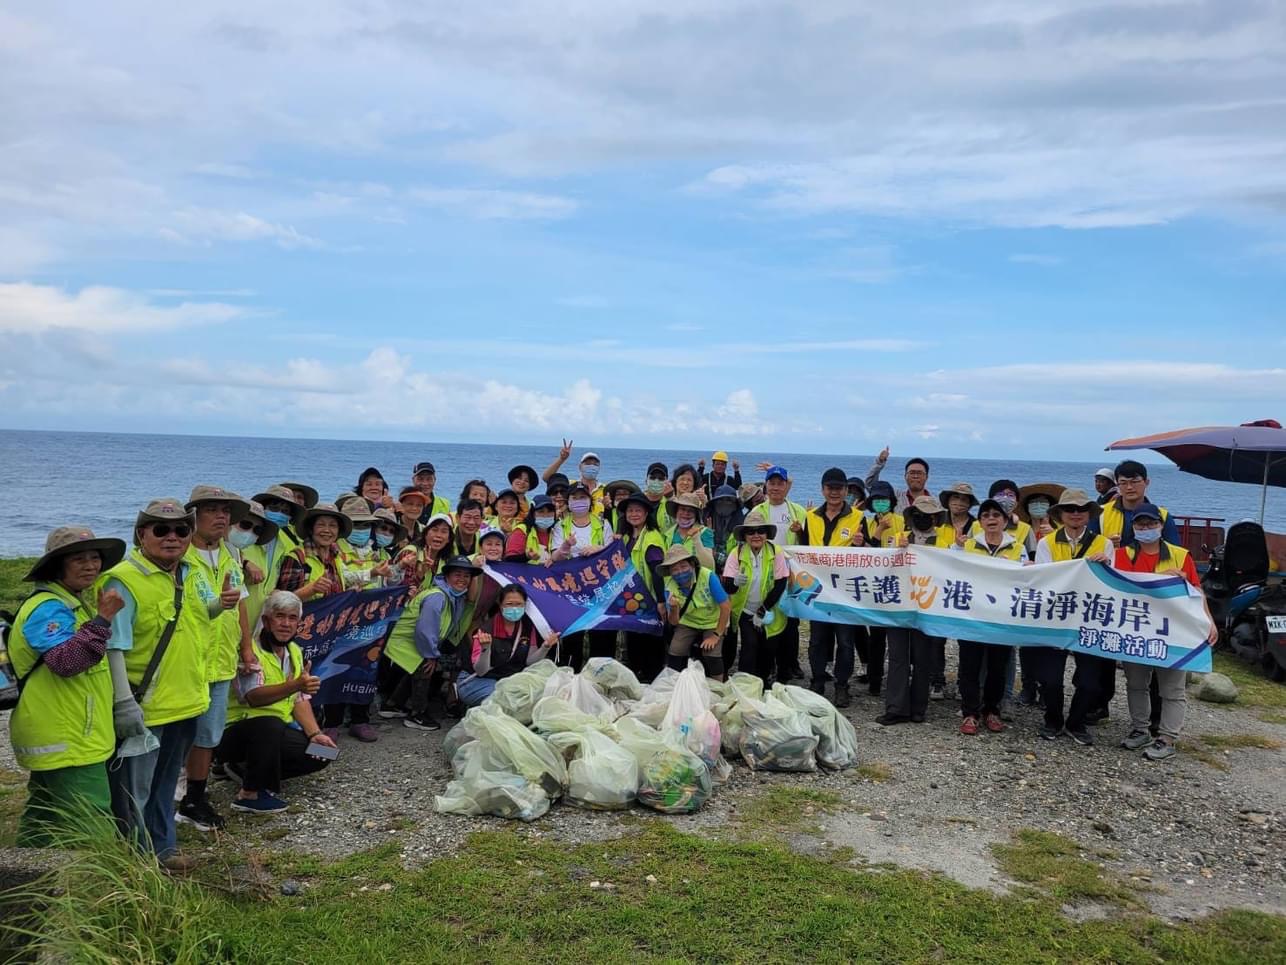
{"x": 598, "y": 592}
{"x": 343, "y": 635}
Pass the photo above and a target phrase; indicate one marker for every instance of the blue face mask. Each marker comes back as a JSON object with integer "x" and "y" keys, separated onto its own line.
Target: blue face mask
{"x": 452, "y": 591}
{"x": 684, "y": 578}
{"x": 545, "y": 522}
{"x": 359, "y": 537}
{"x": 383, "y": 539}
{"x": 513, "y": 613}
{"x": 589, "y": 471}
{"x": 281, "y": 519}
{"x": 242, "y": 538}
{"x": 850, "y": 499}
{"x": 881, "y": 505}
{"x": 1148, "y": 535}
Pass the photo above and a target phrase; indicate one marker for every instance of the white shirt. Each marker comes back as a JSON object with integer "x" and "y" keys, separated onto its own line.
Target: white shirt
{"x": 780, "y": 515}
{"x": 585, "y": 533}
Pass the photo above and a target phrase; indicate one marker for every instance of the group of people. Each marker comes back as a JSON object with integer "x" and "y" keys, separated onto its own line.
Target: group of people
{"x": 188, "y": 635}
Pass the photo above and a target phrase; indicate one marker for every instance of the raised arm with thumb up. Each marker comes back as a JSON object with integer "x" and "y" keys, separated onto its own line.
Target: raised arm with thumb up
{"x": 229, "y": 595}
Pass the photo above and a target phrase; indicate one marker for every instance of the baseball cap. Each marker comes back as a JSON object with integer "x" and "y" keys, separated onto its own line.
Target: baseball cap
{"x": 658, "y": 467}
{"x": 588, "y": 456}
{"x": 776, "y": 471}
{"x": 1106, "y": 474}
{"x": 423, "y": 467}
{"x": 834, "y": 477}
{"x": 1147, "y": 510}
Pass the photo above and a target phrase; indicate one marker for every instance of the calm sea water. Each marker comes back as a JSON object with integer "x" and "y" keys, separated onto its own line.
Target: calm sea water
{"x": 102, "y": 479}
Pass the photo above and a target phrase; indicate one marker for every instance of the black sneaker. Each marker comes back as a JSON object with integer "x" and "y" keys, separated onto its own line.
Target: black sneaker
{"x": 421, "y": 722}
{"x": 1048, "y": 733}
{"x": 219, "y": 772}
{"x": 200, "y": 815}
{"x": 888, "y": 720}
{"x": 1082, "y": 736}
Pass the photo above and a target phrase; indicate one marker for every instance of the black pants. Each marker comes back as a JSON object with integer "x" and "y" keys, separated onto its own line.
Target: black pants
{"x": 827, "y": 642}
{"x": 645, "y": 654}
{"x": 1086, "y": 685}
{"x": 785, "y": 663}
{"x": 572, "y": 649}
{"x": 977, "y": 699}
{"x": 874, "y": 640}
{"x": 416, "y": 690}
{"x": 332, "y": 715}
{"x": 267, "y": 751}
{"x": 756, "y": 648}
{"x": 1029, "y": 665}
{"x": 938, "y": 678}
{"x": 910, "y": 666}
{"x": 729, "y": 652}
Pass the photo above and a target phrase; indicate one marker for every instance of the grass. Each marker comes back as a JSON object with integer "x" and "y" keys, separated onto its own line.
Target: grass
{"x": 876, "y": 771}
{"x": 1256, "y": 689}
{"x": 13, "y": 797}
{"x": 786, "y": 808}
{"x": 12, "y": 590}
{"x": 672, "y": 896}
{"x": 1058, "y": 867}
{"x": 1240, "y": 741}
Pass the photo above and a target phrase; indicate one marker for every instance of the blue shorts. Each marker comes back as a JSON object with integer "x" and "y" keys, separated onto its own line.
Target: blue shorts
{"x": 209, "y": 726}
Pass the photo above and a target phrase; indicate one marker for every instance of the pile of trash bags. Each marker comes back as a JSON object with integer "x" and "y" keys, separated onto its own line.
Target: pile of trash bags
{"x": 601, "y": 740}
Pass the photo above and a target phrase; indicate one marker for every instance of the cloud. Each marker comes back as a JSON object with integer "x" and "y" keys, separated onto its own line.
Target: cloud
{"x": 203, "y": 226}
{"x": 31, "y": 309}
{"x": 492, "y": 204}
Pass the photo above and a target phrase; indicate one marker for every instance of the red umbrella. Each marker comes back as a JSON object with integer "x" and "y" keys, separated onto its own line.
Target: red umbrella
{"x": 1251, "y": 453}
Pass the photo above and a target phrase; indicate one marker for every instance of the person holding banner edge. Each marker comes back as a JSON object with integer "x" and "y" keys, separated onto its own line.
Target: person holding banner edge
{"x": 697, "y": 606}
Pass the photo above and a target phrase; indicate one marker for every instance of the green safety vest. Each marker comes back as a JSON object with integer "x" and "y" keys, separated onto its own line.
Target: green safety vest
{"x": 283, "y": 545}
{"x": 702, "y": 613}
{"x": 223, "y": 630}
{"x": 273, "y": 675}
{"x": 638, "y": 555}
{"x": 316, "y": 568}
{"x": 59, "y": 721}
{"x": 401, "y": 640}
{"x": 745, "y": 561}
{"x": 179, "y": 688}
{"x": 761, "y": 515}
{"x": 564, "y": 527}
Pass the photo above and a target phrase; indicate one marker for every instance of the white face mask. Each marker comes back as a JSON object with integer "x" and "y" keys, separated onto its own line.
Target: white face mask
{"x": 242, "y": 538}
{"x": 1147, "y": 535}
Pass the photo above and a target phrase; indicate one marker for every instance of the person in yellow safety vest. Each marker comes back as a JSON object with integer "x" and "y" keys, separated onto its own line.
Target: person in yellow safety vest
{"x": 582, "y": 533}
{"x": 259, "y": 744}
{"x": 756, "y": 575}
{"x": 645, "y": 544}
{"x": 556, "y": 488}
{"x": 1034, "y": 503}
{"x": 362, "y": 563}
{"x": 468, "y": 523}
{"x": 523, "y": 480}
{"x": 409, "y": 507}
{"x": 959, "y": 500}
{"x": 1072, "y": 540}
{"x": 834, "y": 523}
{"x": 1150, "y": 552}
{"x": 788, "y": 517}
{"x": 1005, "y": 492}
{"x": 979, "y": 701}
{"x": 281, "y": 509}
{"x": 61, "y": 728}
{"x": 424, "y": 477}
{"x": 305, "y": 495}
{"x": 256, "y": 538}
{"x": 425, "y": 636}
{"x": 589, "y": 466}
{"x": 688, "y": 531}
{"x": 534, "y": 541}
{"x": 215, "y": 568}
{"x": 319, "y": 574}
{"x": 507, "y": 515}
{"x": 885, "y": 527}
{"x": 927, "y": 525}
{"x": 157, "y": 654}
{"x": 655, "y": 487}
{"x": 1116, "y": 521}
{"x": 697, "y": 606}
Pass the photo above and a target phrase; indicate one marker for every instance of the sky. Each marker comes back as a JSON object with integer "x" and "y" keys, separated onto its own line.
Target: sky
{"x": 981, "y": 229}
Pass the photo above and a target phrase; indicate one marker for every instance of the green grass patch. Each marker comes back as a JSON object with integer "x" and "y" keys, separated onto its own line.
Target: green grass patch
{"x": 12, "y": 590}
{"x": 786, "y": 808}
{"x": 1198, "y": 751}
{"x": 1240, "y": 741}
{"x": 1272, "y": 717}
{"x": 1057, "y": 866}
{"x": 1256, "y": 689}
{"x": 13, "y": 798}
{"x": 662, "y": 896}
{"x": 876, "y": 771}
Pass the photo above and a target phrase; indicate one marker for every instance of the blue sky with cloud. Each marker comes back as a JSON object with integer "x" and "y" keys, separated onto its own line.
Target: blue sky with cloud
{"x": 978, "y": 229}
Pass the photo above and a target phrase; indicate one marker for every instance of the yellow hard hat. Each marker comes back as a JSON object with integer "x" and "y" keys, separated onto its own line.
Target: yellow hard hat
{"x": 720, "y": 455}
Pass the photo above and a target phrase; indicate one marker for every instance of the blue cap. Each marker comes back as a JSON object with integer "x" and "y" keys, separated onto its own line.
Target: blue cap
{"x": 1146, "y": 510}
{"x": 776, "y": 471}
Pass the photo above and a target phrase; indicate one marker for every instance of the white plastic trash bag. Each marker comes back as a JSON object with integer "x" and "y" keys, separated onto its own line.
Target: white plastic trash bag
{"x": 603, "y": 776}
{"x": 836, "y": 738}
{"x": 554, "y": 715}
{"x": 777, "y": 737}
{"x": 689, "y": 717}
{"x": 516, "y": 748}
{"x": 613, "y": 679}
{"x": 481, "y": 787}
{"x": 517, "y": 695}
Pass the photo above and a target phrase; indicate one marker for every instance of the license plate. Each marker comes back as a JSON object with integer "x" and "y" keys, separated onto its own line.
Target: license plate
{"x": 1276, "y": 624}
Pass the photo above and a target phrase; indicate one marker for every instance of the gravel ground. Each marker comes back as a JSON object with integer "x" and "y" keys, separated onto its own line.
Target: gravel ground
{"x": 1204, "y": 838}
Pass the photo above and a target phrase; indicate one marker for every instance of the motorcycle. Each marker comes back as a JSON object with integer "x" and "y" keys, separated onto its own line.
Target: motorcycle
{"x": 1250, "y": 613}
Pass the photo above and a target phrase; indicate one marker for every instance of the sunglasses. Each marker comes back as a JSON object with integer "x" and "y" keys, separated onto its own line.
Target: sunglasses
{"x": 247, "y": 524}
{"x": 162, "y": 530}
{"x": 757, "y": 532}
{"x": 1075, "y": 509}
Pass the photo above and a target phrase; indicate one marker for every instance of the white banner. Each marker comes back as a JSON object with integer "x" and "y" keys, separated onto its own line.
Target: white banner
{"x": 1078, "y": 606}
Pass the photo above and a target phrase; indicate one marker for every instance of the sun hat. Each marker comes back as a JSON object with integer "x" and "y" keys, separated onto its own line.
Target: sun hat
{"x": 310, "y": 494}
{"x": 345, "y": 496}
{"x": 386, "y": 517}
{"x": 725, "y": 492}
{"x": 1052, "y": 491}
{"x": 533, "y": 478}
{"x": 270, "y": 529}
{"x": 410, "y": 492}
{"x": 748, "y": 492}
{"x": 739, "y": 532}
{"x": 691, "y": 500}
{"x": 1106, "y": 474}
{"x": 636, "y": 497}
{"x": 163, "y": 511}
{"x": 325, "y": 509}
{"x": 557, "y": 481}
{"x": 274, "y": 493}
{"x": 958, "y": 489}
{"x": 673, "y": 555}
{"x": 216, "y": 494}
{"x": 925, "y": 504}
{"x": 357, "y": 510}
{"x": 627, "y": 485}
{"x": 438, "y": 518}
{"x": 1073, "y": 499}
{"x": 66, "y": 540}
{"x": 719, "y": 456}
{"x": 461, "y": 563}
{"x": 881, "y": 489}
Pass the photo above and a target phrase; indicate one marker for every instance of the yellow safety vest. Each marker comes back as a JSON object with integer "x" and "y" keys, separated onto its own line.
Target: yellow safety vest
{"x": 745, "y": 562}
{"x": 401, "y": 641}
{"x": 222, "y": 630}
{"x": 896, "y": 527}
{"x": 273, "y": 675}
{"x": 638, "y": 554}
{"x": 1171, "y": 557}
{"x": 1014, "y": 551}
{"x": 59, "y": 721}
{"x": 1111, "y": 521}
{"x": 702, "y": 613}
{"x": 848, "y": 524}
{"x": 761, "y": 515}
{"x": 1060, "y": 550}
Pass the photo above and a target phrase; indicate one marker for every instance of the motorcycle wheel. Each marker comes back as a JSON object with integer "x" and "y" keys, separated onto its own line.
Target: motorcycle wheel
{"x": 1272, "y": 669}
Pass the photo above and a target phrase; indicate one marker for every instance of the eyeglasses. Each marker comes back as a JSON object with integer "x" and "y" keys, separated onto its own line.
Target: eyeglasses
{"x": 247, "y": 524}
{"x": 1130, "y": 480}
{"x": 162, "y": 530}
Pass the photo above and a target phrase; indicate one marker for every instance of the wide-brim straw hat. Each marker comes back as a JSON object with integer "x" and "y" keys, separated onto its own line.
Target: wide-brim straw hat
{"x": 691, "y": 500}
{"x": 1053, "y": 491}
{"x": 674, "y": 555}
{"x": 325, "y": 509}
{"x": 217, "y": 494}
{"x": 739, "y": 532}
{"x": 286, "y": 496}
{"x": 958, "y": 489}
{"x": 66, "y": 540}
{"x": 310, "y": 494}
{"x": 533, "y": 477}
{"x": 1073, "y": 497}
{"x": 358, "y": 510}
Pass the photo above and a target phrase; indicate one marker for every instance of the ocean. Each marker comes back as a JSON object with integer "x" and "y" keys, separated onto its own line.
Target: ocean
{"x": 103, "y": 479}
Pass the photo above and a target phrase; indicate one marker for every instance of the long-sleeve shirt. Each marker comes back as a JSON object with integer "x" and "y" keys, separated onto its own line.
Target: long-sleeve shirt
{"x": 428, "y": 642}
{"x": 50, "y": 630}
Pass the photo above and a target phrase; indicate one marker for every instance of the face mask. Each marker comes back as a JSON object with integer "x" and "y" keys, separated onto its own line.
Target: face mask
{"x": 383, "y": 539}
{"x": 359, "y": 537}
{"x": 578, "y": 506}
{"x": 684, "y": 578}
{"x": 241, "y": 538}
{"x": 1148, "y": 535}
{"x": 454, "y": 592}
{"x": 589, "y": 471}
{"x": 1007, "y": 503}
{"x": 513, "y": 613}
{"x": 281, "y": 519}
{"x": 921, "y": 522}
{"x": 1038, "y": 509}
{"x": 850, "y": 499}
{"x": 881, "y": 505}
{"x": 656, "y": 486}
{"x": 545, "y": 522}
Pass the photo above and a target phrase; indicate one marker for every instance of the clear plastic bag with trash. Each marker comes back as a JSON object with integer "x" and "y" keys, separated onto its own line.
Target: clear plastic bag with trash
{"x": 484, "y": 786}
{"x": 777, "y": 737}
{"x": 836, "y": 738}
{"x": 516, "y": 748}
{"x": 728, "y": 710}
{"x": 690, "y": 719}
{"x": 613, "y": 679}
{"x": 672, "y": 779}
{"x": 601, "y": 775}
{"x": 554, "y": 715}
{"x": 517, "y": 695}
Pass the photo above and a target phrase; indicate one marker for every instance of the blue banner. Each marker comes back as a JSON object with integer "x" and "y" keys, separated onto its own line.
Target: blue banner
{"x": 343, "y": 635}
{"x": 598, "y": 592}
